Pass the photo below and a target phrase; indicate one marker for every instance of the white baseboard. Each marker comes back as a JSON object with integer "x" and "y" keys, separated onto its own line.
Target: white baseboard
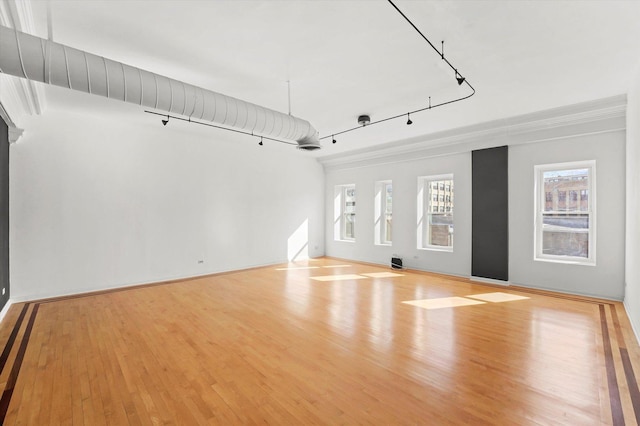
{"x": 5, "y": 309}
{"x": 490, "y": 281}
{"x": 633, "y": 326}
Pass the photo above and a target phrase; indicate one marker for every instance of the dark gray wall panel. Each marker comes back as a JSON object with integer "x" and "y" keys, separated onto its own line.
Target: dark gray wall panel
{"x": 4, "y": 213}
{"x": 490, "y": 213}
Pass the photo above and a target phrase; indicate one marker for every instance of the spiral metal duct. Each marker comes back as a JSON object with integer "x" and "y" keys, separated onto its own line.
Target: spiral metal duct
{"x": 34, "y": 58}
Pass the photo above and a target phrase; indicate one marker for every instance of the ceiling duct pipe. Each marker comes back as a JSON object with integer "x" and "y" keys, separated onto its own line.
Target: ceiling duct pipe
{"x": 38, "y": 59}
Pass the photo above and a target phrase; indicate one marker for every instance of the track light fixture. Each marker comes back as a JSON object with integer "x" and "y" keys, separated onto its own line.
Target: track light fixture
{"x": 260, "y": 143}
{"x": 242, "y": 132}
{"x": 459, "y": 78}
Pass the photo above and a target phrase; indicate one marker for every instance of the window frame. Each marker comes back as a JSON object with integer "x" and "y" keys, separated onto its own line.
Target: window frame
{"x": 380, "y": 213}
{"x": 539, "y": 212}
{"x": 426, "y": 209}
{"x": 340, "y": 207}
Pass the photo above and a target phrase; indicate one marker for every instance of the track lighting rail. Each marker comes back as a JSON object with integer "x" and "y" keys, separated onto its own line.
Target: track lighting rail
{"x": 460, "y": 79}
{"x": 164, "y": 122}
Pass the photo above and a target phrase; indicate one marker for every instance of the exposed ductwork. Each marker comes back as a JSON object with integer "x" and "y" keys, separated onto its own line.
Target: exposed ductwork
{"x": 34, "y": 58}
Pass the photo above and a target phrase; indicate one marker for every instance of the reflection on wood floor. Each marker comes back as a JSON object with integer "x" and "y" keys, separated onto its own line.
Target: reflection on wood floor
{"x": 319, "y": 342}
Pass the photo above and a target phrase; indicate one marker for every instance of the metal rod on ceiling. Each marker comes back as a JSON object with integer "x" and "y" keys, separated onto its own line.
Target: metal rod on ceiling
{"x": 218, "y": 127}
{"x": 441, "y": 54}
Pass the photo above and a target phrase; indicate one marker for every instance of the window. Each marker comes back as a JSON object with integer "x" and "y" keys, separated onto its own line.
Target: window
{"x": 435, "y": 218}
{"x": 383, "y": 212}
{"x": 565, "y": 226}
{"x": 344, "y": 212}
{"x": 349, "y": 213}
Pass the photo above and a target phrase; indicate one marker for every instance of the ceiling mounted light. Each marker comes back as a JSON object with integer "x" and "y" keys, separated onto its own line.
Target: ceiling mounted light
{"x": 333, "y": 139}
{"x": 164, "y": 122}
{"x": 260, "y": 143}
{"x": 364, "y": 119}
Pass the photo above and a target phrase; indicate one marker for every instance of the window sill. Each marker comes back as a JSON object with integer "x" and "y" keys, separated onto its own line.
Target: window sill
{"x": 441, "y": 249}
{"x": 568, "y": 261}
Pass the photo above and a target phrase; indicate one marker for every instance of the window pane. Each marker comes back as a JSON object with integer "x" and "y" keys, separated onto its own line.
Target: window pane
{"x": 561, "y": 188}
{"x": 584, "y": 200}
{"x": 439, "y": 214}
{"x": 565, "y": 235}
{"x": 387, "y": 217}
{"x": 440, "y": 230}
{"x": 389, "y": 199}
{"x": 349, "y": 212}
{"x": 349, "y": 226}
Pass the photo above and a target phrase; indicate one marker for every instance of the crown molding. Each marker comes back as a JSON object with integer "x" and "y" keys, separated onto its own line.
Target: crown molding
{"x": 14, "y": 134}
{"x": 14, "y": 131}
{"x": 593, "y": 117}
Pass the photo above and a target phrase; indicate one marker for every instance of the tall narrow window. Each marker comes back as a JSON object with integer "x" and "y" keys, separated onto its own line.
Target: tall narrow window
{"x": 435, "y": 212}
{"x": 349, "y": 212}
{"x": 345, "y": 212}
{"x": 383, "y": 212}
{"x": 565, "y": 212}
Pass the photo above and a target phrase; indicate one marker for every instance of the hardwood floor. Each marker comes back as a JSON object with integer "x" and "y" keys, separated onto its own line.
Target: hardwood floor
{"x": 319, "y": 342}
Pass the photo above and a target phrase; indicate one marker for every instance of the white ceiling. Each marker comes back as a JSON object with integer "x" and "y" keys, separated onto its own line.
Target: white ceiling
{"x": 346, "y": 58}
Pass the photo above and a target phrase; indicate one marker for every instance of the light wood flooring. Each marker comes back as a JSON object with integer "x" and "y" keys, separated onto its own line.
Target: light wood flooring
{"x": 326, "y": 341}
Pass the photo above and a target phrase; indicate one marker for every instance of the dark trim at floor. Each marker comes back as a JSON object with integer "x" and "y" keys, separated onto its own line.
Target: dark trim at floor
{"x": 17, "y": 364}
{"x": 12, "y": 338}
{"x": 612, "y": 382}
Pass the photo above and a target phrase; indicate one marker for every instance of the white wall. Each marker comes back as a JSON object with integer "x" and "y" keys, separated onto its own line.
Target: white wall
{"x": 632, "y": 269}
{"x": 592, "y": 130}
{"x": 606, "y": 278}
{"x": 98, "y": 203}
{"x": 404, "y": 177}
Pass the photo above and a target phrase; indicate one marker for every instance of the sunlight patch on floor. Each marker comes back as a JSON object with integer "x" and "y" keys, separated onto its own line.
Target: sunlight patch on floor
{"x": 443, "y": 302}
{"x": 382, "y": 275}
{"x": 293, "y": 268}
{"x": 338, "y": 277}
{"x": 497, "y": 297}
